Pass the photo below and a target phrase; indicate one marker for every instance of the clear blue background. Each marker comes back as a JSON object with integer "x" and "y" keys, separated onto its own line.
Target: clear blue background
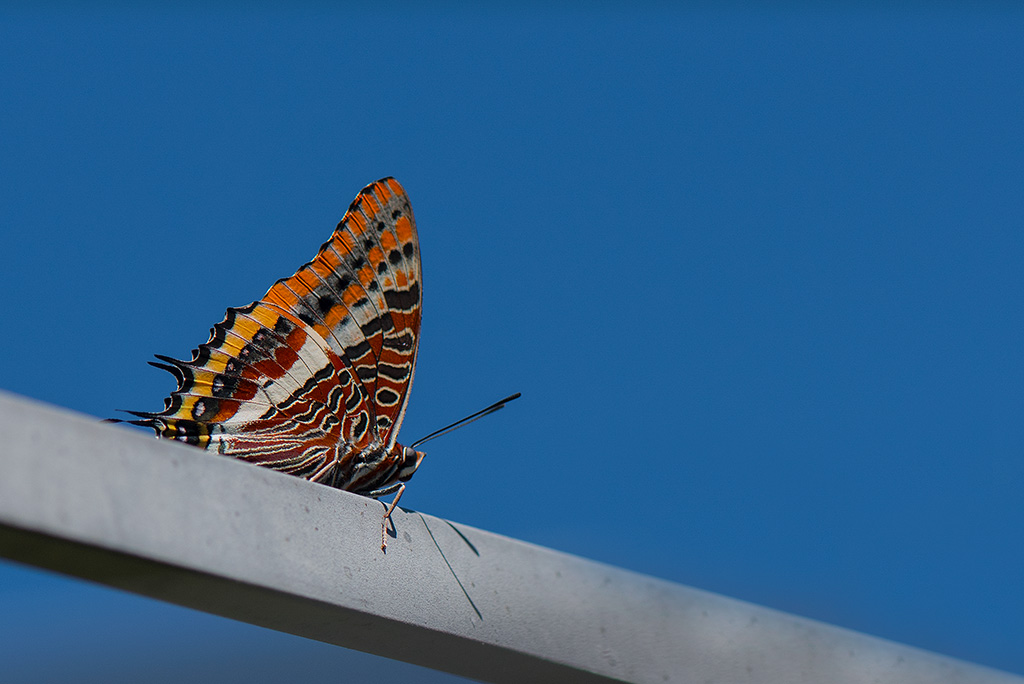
{"x": 758, "y": 275}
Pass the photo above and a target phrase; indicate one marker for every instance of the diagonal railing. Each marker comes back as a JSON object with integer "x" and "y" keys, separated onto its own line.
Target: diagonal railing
{"x": 171, "y": 522}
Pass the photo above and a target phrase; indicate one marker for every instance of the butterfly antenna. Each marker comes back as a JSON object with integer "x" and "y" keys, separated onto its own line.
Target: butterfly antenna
{"x": 467, "y": 420}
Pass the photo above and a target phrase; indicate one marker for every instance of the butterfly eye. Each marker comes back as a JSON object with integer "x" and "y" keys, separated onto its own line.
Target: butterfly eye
{"x": 411, "y": 460}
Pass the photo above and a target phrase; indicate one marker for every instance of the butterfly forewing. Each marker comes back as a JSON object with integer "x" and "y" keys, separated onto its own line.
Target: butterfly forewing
{"x": 317, "y": 373}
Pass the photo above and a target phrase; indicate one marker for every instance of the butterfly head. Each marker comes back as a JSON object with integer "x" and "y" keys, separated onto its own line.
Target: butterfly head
{"x": 409, "y": 461}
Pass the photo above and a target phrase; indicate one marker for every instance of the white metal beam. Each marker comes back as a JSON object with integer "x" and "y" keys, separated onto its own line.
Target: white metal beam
{"x": 174, "y": 523}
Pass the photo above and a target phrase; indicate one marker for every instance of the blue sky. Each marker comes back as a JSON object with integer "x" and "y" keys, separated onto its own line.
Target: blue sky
{"x": 756, "y": 273}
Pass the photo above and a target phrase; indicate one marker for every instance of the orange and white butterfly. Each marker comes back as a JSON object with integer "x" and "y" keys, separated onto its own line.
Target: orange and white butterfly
{"x": 314, "y": 378}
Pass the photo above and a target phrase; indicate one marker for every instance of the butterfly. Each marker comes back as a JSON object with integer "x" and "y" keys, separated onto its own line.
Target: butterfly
{"x": 313, "y": 379}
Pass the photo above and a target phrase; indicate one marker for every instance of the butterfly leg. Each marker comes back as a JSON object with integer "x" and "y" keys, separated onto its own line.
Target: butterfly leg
{"x": 387, "y": 517}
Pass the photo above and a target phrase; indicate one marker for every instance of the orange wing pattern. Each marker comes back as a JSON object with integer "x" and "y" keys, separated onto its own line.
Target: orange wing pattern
{"x": 314, "y": 378}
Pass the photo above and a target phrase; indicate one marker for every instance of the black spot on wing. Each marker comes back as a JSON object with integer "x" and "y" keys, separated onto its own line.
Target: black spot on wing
{"x": 358, "y": 350}
{"x": 403, "y": 300}
{"x": 386, "y": 397}
{"x": 205, "y": 409}
{"x": 359, "y": 430}
{"x": 265, "y": 340}
{"x": 372, "y": 327}
{"x": 397, "y": 373}
{"x": 224, "y": 385}
{"x": 401, "y": 342}
{"x": 325, "y": 303}
{"x": 283, "y": 326}
{"x": 352, "y": 402}
{"x": 339, "y": 281}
